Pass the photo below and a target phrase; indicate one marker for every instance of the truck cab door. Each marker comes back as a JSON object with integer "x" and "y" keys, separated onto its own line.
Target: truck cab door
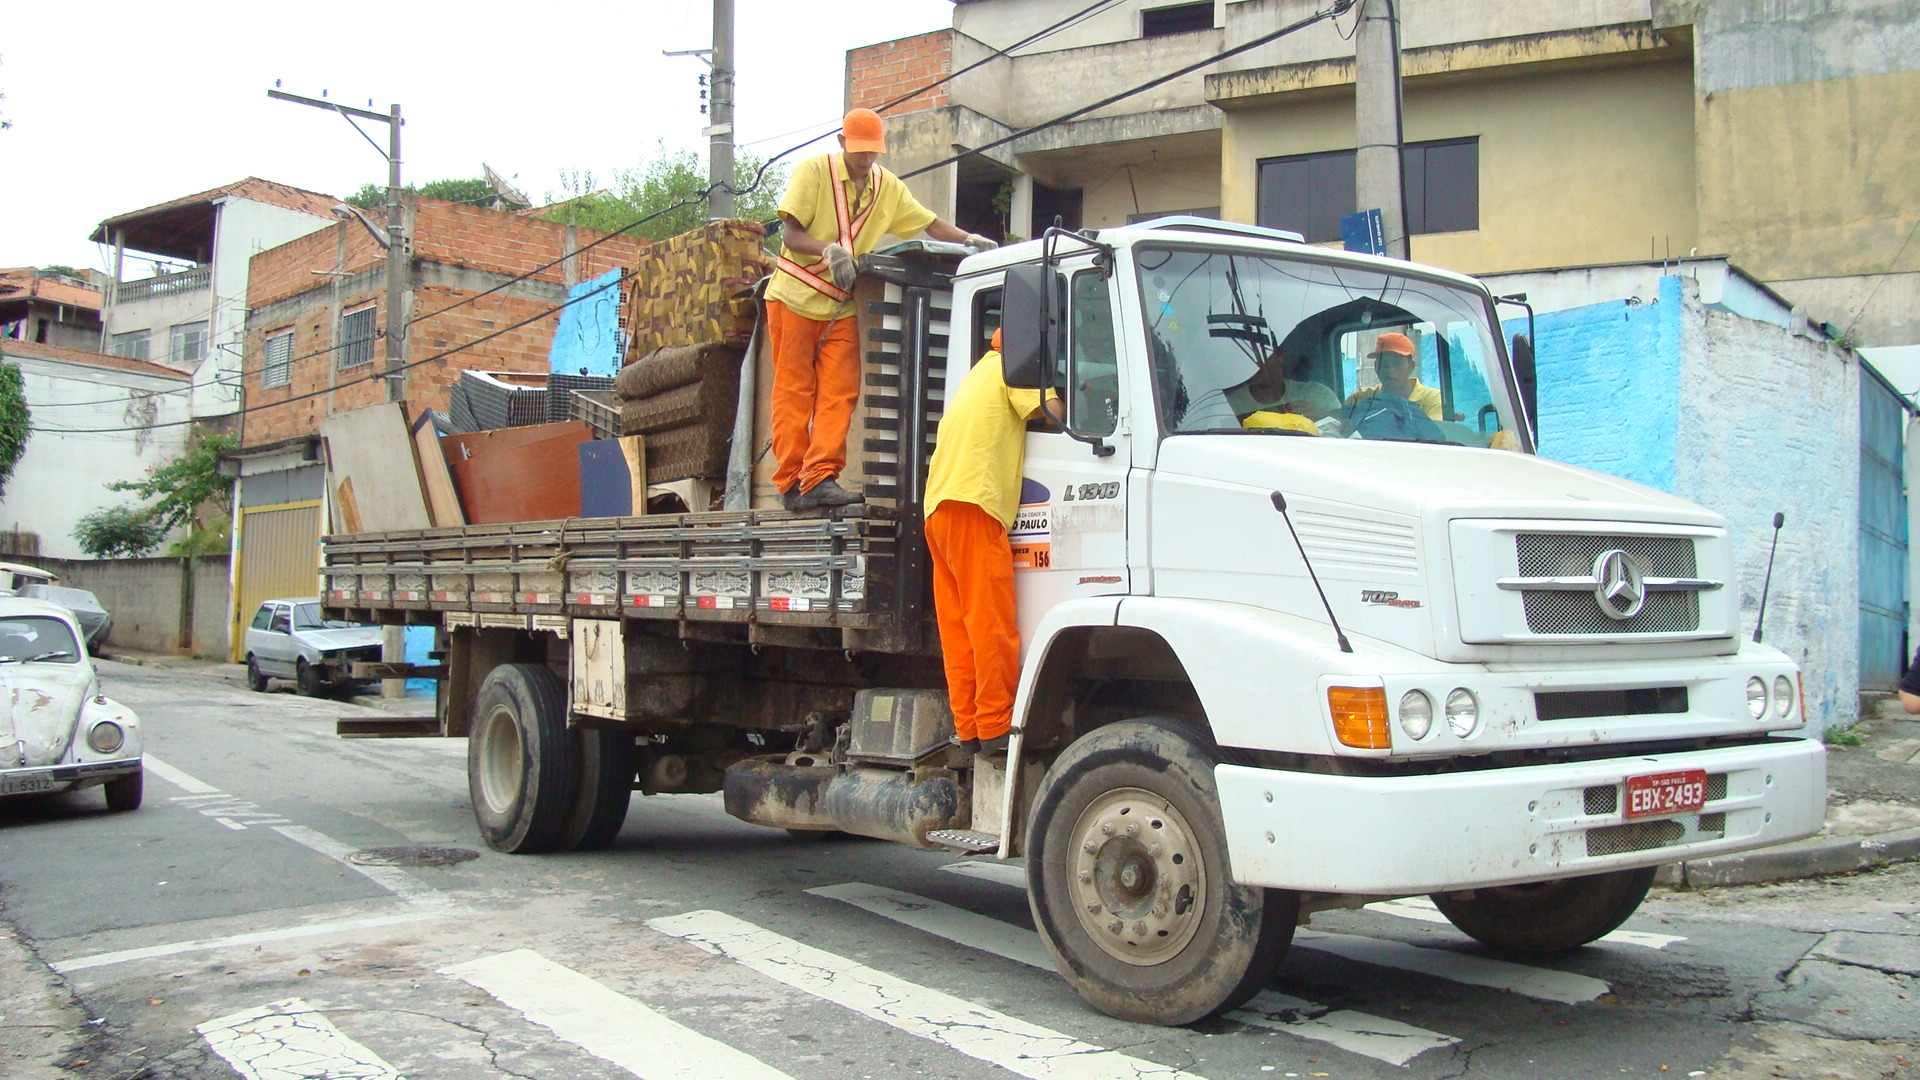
{"x": 1070, "y": 537}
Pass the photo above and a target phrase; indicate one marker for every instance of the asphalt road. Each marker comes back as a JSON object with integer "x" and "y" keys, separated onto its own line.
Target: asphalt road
{"x": 234, "y": 926}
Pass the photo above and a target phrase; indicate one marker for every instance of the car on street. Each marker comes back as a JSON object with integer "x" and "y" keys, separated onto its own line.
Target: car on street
{"x": 58, "y": 732}
{"x": 95, "y": 621}
{"x": 15, "y": 576}
{"x": 288, "y": 639}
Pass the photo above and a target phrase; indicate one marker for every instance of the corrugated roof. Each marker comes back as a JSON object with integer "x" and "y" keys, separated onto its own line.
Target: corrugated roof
{"x": 36, "y": 351}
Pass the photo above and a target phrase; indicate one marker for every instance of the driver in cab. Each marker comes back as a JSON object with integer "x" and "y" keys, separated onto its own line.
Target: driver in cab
{"x": 1271, "y": 400}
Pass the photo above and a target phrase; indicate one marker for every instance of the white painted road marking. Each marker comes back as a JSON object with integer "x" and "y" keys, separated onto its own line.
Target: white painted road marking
{"x": 177, "y": 778}
{"x": 394, "y": 880}
{"x": 1387, "y": 1040}
{"x": 998, "y": 871}
{"x": 343, "y": 926}
{"x": 975, "y": 931}
{"x": 1542, "y": 983}
{"x": 288, "y": 1040}
{"x": 974, "y": 1030}
{"x": 606, "y": 1024}
{"x": 1422, "y": 909}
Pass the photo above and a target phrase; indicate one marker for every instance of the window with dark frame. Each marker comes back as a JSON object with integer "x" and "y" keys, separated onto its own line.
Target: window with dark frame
{"x": 277, "y": 368}
{"x": 356, "y": 337}
{"x": 1178, "y": 19}
{"x": 1309, "y": 193}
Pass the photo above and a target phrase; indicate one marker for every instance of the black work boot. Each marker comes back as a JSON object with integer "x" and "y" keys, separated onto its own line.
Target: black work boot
{"x": 826, "y": 495}
{"x": 995, "y": 747}
{"x": 790, "y": 498}
{"x": 968, "y": 746}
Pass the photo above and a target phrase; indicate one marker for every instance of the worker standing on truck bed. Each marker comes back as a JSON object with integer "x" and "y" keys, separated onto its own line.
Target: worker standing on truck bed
{"x": 835, "y": 209}
{"x": 973, "y": 492}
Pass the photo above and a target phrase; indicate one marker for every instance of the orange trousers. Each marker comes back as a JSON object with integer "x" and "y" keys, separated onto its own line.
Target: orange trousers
{"x": 973, "y": 600}
{"x": 816, "y": 382}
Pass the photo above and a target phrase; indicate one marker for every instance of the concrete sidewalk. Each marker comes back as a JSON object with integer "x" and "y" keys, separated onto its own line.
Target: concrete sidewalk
{"x": 415, "y": 703}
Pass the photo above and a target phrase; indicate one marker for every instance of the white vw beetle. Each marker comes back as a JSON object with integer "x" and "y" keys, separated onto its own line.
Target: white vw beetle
{"x": 58, "y": 732}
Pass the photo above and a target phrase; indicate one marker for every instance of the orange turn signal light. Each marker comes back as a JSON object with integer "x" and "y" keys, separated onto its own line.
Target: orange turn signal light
{"x": 1360, "y": 716}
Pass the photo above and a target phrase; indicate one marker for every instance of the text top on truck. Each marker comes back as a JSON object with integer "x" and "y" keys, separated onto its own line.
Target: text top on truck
{"x": 1537, "y": 691}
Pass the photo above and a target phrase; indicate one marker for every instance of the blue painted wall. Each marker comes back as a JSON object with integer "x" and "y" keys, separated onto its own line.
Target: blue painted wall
{"x": 1610, "y": 386}
{"x": 588, "y": 337}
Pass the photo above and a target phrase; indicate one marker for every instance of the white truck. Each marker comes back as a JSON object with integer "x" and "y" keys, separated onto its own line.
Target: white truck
{"x": 1272, "y": 663}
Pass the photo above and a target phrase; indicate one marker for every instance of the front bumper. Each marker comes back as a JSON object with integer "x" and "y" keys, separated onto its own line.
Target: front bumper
{"x": 1406, "y": 835}
{"x": 49, "y": 778}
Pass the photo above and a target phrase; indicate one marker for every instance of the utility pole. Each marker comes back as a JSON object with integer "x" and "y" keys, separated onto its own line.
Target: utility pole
{"x": 720, "y": 118}
{"x": 1377, "y": 176}
{"x": 399, "y": 304}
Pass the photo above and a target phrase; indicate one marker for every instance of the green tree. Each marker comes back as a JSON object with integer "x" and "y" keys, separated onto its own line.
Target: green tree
{"x": 16, "y": 421}
{"x": 668, "y": 184}
{"x": 184, "y": 489}
{"x": 117, "y": 532}
{"x": 474, "y": 191}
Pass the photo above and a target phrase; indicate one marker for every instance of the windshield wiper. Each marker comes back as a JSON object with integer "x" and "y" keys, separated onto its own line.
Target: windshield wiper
{"x": 37, "y": 657}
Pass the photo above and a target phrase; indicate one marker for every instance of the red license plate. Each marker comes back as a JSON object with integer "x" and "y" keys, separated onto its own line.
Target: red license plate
{"x": 1666, "y": 793}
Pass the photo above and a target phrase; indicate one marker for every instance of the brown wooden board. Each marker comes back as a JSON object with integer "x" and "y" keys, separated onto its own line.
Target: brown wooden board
{"x": 443, "y": 502}
{"x": 518, "y": 474}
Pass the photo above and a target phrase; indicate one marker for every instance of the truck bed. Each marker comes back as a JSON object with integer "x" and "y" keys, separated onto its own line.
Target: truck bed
{"x": 760, "y": 568}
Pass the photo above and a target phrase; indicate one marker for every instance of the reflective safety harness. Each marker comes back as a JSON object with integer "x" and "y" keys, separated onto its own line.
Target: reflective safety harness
{"x": 849, "y": 231}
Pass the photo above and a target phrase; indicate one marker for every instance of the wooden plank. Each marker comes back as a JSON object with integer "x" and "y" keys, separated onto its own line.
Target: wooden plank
{"x": 634, "y": 449}
{"x": 443, "y": 502}
{"x": 387, "y": 727}
{"x": 518, "y": 474}
{"x": 364, "y": 669}
{"x": 349, "y": 506}
{"x": 362, "y": 446}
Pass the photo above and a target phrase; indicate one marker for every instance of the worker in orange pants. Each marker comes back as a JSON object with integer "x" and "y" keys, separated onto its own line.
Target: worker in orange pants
{"x": 836, "y": 208}
{"x": 973, "y": 492}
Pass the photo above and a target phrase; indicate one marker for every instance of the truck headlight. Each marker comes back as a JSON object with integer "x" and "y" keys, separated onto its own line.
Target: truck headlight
{"x": 1416, "y": 714}
{"x": 106, "y": 737}
{"x": 1782, "y": 697}
{"x": 1757, "y": 698}
{"x": 1463, "y": 712}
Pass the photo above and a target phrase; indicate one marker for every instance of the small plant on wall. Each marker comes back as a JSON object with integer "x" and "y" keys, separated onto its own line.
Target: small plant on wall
{"x": 188, "y": 490}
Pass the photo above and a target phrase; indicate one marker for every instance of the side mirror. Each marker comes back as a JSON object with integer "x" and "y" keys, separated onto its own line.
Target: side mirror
{"x": 1526, "y": 374}
{"x": 1028, "y": 328}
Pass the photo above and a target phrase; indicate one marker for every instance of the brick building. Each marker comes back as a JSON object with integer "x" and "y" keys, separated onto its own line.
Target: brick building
{"x": 877, "y": 74}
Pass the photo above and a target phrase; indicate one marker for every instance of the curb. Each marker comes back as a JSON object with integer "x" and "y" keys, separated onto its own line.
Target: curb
{"x": 1819, "y": 856}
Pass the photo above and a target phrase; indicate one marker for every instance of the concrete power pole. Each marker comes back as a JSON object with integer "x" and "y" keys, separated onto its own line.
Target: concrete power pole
{"x": 1377, "y": 177}
{"x": 398, "y": 264}
{"x": 720, "y": 115}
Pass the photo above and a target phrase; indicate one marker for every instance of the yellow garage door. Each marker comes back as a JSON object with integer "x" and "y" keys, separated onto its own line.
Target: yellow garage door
{"x": 279, "y": 557}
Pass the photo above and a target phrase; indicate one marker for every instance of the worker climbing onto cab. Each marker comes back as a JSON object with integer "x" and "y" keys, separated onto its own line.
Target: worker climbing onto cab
{"x": 836, "y": 208}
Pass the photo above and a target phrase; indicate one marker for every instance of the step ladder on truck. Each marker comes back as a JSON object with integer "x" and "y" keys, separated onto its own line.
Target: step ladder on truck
{"x": 1278, "y": 657}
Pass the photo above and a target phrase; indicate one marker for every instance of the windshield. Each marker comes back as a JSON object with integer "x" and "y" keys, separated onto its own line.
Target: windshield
{"x": 36, "y": 638}
{"x": 307, "y": 617}
{"x": 1250, "y": 342}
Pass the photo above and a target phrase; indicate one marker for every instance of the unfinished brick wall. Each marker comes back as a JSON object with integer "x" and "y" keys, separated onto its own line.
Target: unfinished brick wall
{"x": 285, "y": 294}
{"x": 877, "y": 74}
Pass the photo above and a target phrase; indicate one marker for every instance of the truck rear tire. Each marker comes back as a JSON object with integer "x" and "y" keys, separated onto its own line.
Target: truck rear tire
{"x": 522, "y": 762}
{"x": 605, "y": 789}
{"x": 1126, "y": 823}
{"x": 1546, "y": 917}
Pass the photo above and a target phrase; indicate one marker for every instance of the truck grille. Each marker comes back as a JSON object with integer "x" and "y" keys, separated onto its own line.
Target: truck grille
{"x": 1573, "y": 555}
{"x": 1639, "y": 836}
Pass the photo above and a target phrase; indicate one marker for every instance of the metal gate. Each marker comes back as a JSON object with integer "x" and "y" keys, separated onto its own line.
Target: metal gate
{"x": 279, "y": 557}
{"x": 1883, "y": 534}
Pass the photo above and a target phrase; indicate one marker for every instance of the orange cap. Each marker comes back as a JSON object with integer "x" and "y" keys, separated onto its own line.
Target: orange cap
{"x": 996, "y": 339}
{"x": 1393, "y": 343}
{"x": 863, "y": 132}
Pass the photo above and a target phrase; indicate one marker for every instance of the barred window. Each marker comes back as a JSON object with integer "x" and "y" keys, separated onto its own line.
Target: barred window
{"x": 278, "y": 369}
{"x": 356, "y": 337}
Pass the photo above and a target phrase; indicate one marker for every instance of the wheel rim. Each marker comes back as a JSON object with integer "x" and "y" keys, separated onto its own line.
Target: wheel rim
{"x": 1136, "y": 876}
{"x": 502, "y": 766}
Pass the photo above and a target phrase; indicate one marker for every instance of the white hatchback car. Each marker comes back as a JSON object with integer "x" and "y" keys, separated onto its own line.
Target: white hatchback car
{"x": 58, "y": 732}
{"x": 288, "y": 639}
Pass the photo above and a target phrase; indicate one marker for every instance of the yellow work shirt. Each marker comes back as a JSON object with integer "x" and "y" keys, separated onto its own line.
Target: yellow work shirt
{"x": 808, "y": 203}
{"x": 1427, "y": 397}
{"x": 982, "y": 443}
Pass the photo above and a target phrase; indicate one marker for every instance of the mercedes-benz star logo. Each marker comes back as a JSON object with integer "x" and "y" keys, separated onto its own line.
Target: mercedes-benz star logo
{"x": 1622, "y": 588}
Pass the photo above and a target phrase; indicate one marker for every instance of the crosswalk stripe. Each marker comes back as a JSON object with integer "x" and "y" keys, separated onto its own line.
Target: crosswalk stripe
{"x": 289, "y": 1040}
{"x": 1422, "y": 909}
{"x": 257, "y": 937}
{"x": 998, "y": 871}
{"x": 974, "y": 1030}
{"x": 608, "y": 1025}
{"x": 944, "y": 920}
{"x": 1542, "y": 983}
{"x": 1356, "y": 1032}
{"x": 1387, "y": 1040}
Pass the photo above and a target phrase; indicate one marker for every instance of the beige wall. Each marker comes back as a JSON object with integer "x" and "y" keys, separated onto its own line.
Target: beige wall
{"x": 1153, "y": 185}
{"x": 1576, "y": 167}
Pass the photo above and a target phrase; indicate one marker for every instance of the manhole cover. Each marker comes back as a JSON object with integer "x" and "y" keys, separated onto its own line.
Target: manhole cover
{"x": 412, "y": 856}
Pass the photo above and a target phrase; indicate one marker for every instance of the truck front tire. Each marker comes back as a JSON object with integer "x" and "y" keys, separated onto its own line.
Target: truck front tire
{"x": 522, "y": 762}
{"x": 1546, "y": 917}
{"x": 1129, "y": 883}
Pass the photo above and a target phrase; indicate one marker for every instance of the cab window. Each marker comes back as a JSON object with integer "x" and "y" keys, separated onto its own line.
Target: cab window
{"x": 279, "y": 624}
{"x": 262, "y": 617}
{"x": 1093, "y": 376}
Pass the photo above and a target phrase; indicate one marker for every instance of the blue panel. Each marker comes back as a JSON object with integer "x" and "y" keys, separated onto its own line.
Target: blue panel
{"x": 606, "y": 484}
{"x": 587, "y": 340}
{"x": 1883, "y": 537}
{"x": 419, "y": 642}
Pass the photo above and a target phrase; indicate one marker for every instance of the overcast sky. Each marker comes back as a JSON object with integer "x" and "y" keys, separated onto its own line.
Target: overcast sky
{"x": 121, "y": 105}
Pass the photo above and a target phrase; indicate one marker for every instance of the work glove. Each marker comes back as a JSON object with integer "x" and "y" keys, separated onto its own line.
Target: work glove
{"x": 980, "y": 243}
{"x": 840, "y": 266}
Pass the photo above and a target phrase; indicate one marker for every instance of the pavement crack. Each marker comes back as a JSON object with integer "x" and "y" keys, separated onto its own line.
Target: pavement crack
{"x": 486, "y": 1040}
